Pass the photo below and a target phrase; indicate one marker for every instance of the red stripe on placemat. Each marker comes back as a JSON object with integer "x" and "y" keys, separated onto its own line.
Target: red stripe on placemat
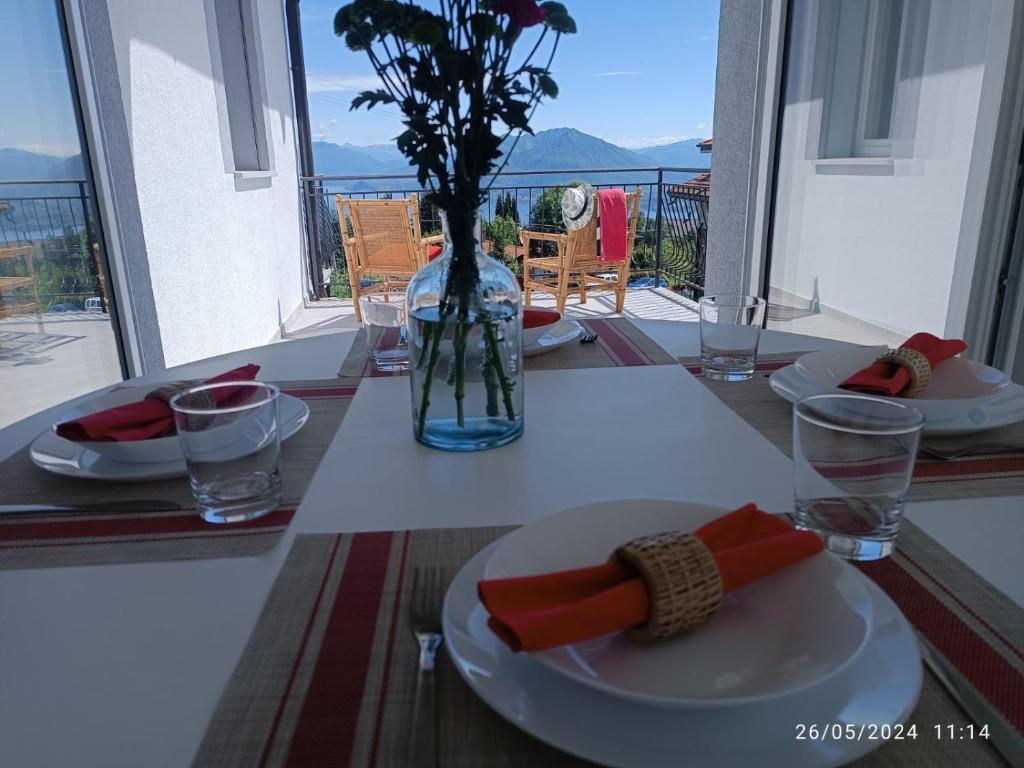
{"x": 135, "y": 525}
{"x": 325, "y": 732}
{"x": 386, "y": 672}
{"x": 966, "y": 608}
{"x": 993, "y": 676}
{"x": 619, "y": 346}
{"x": 311, "y": 393}
{"x": 302, "y": 652}
{"x": 969, "y": 467}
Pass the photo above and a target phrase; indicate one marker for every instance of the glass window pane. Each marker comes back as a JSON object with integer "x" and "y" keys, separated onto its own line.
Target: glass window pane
{"x": 881, "y": 90}
{"x": 56, "y": 336}
{"x": 871, "y": 249}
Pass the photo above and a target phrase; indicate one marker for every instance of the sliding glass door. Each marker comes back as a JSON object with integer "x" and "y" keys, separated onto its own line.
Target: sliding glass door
{"x": 57, "y": 336}
{"x": 883, "y": 156}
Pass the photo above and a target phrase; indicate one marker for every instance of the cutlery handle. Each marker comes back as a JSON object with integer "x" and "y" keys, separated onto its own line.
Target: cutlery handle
{"x": 424, "y": 730}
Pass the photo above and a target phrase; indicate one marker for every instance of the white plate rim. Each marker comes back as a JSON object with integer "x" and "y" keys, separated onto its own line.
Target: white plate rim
{"x": 573, "y": 331}
{"x": 138, "y": 472}
{"x": 790, "y": 384}
{"x": 542, "y": 723}
{"x": 548, "y": 659}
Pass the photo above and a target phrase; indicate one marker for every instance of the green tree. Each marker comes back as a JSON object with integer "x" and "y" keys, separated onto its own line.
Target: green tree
{"x": 503, "y": 232}
{"x": 506, "y": 207}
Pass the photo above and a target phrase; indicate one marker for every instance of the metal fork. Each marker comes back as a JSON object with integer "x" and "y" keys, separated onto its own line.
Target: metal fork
{"x": 588, "y": 338}
{"x": 956, "y": 453}
{"x": 427, "y": 596}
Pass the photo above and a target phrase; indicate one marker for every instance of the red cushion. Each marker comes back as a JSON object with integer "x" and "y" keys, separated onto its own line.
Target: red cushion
{"x": 534, "y": 318}
{"x": 433, "y": 251}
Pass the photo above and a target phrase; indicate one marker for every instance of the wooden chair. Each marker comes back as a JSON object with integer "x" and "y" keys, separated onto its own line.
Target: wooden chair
{"x": 12, "y": 283}
{"x": 385, "y": 243}
{"x": 576, "y": 265}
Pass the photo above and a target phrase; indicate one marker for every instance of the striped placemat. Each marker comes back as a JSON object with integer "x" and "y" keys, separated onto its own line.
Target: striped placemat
{"x": 618, "y": 343}
{"x": 101, "y": 538}
{"x": 979, "y": 476}
{"x": 328, "y": 676}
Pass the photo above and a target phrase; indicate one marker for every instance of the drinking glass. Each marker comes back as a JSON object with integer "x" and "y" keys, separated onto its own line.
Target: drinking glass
{"x": 730, "y": 325}
{"x": 230, "y": 435}
{"x": 853, "y": 457}
{"x": 384, "y": 324}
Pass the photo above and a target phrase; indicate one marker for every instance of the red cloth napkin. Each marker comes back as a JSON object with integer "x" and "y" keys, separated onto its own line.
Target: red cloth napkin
{"x": 144, "y": 419}
{"x": 889, "y": 380}
{"x": 611, "y": 207}
{"x": 532, "y": 613}
{"x": 433, "y": 251}
{"x": 535, "y": 318}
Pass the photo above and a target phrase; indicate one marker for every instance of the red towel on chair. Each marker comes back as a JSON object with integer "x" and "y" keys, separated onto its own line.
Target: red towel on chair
{"x": 613, "y": 229}
{"x": 537, "y": 612}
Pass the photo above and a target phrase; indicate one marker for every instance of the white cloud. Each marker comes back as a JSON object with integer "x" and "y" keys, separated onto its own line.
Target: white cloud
{"x": 57, "y": 150}
{"x": 619, "y": 73}
{"x": 702, "y": 126}
{"x": 323, "y": 129}
{"x": 645, "y": 142}
{"x": 317, "y": 82}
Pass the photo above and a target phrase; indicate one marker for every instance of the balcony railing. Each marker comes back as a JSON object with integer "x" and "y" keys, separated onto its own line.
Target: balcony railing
{"x": 47, "y": 233}
{"x": 671, "y": 241}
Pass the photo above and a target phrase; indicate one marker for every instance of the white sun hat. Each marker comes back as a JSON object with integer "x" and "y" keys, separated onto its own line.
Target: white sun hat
{"x": 577, "y": 206}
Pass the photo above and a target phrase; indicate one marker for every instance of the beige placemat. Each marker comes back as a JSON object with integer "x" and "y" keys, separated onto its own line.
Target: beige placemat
{"x": 979, "y": 476}
{"x": 328, "y": 676}
{"x": 95, "y": 538}
{"x": 618, "y": 343}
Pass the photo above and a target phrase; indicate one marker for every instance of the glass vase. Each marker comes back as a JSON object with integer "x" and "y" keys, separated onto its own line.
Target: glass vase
{"x": 465, "y": 350}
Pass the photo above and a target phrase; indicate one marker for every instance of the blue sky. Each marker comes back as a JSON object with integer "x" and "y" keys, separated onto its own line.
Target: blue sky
{"x": 638, "y": 73}
{"x": 35, "y": 80}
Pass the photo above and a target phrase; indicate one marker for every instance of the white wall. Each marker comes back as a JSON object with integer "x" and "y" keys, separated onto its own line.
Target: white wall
{"x": 880, "y": 243}
{"x": 224, "y": 255}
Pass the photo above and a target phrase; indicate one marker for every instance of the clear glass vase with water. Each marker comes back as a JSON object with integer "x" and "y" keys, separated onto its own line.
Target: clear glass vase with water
{"x": 465, "y": 356}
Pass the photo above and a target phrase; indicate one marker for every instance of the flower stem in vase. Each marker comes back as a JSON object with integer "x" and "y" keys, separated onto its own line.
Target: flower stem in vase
{"x": 491, "y": 336}
{"x": 460, "y": 369}
{"x": 435, "y": 331}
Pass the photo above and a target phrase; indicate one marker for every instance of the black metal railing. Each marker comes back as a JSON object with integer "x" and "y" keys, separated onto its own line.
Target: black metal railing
{"x": 55, "y": 219}
{"x": 671, "y": 241}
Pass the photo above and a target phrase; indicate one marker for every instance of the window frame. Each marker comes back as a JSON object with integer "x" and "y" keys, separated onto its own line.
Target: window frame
{"x": 238, "y": 162}
{"x": 878, "y": 147}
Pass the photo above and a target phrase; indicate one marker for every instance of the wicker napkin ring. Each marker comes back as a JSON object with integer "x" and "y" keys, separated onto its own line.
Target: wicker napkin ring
{"x": 915, "y": 364}
{"x": 683, "y": 584}
{"x": 167, "y": 391}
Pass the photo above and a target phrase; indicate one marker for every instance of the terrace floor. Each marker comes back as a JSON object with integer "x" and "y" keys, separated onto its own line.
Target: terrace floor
{"x": 51, "y": 358}
{"x": 641, "y": 303}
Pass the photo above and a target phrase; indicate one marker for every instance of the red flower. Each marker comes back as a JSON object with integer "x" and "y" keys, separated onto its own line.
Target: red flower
{"x": 525, "y": 13}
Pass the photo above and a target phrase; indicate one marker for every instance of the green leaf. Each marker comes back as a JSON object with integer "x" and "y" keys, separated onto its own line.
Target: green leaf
{"x": 426, "y": 33}
{"x": 371, "y": 99}
{"x": 547, "y": 86}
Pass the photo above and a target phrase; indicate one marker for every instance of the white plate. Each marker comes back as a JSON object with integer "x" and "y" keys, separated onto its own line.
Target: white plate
{"x": 157, "y": 450}
{"x": 771, "y": 639}
{"x": 880, "y": 688}
{"x": 963, "y": 396}
{"x": 554, "y": 336}
{"x": 66, "y": 457}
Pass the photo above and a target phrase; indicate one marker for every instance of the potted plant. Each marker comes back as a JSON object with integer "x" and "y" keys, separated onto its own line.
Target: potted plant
{"x": 466, "y": 97}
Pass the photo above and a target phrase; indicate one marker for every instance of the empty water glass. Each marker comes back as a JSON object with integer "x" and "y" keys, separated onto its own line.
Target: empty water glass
{"x": 384, "y": 324}
{"x": 853, "y": 458}
{"x": 730, "y": 325}
{"x": 230, "y": 436}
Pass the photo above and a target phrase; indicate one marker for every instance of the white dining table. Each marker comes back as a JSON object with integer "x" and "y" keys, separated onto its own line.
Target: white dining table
{"x": 123, "y": 665}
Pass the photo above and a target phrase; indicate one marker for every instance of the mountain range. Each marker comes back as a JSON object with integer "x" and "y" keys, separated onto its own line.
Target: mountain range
{"x": 554, "y": 149}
